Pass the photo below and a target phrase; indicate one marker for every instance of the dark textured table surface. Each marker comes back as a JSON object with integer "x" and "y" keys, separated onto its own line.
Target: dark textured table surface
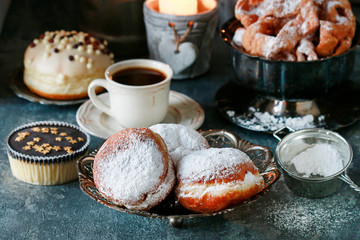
{"x": 64, "y": 212}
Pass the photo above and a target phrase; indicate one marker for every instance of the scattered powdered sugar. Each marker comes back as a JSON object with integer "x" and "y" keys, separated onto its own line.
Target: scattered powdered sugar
{"x": 319, "y": 159}
{"x": 209, "y": 164}
{"x": 283, "y": 215}
{"x": 269, "y": 43}
{"x": 180, "y": 140}
{"x": 237, "y": 38}
{"x": 129, "y": 173}
{"x": 311, "y": 218}
{"x": 283, "y": 8}
{"x": 306, "y": 47}
{"x": 264, "y": 121}
{"x": 288, "y": 36}
{"x": 318, "y": 2}
{"x": 338, "y": 5}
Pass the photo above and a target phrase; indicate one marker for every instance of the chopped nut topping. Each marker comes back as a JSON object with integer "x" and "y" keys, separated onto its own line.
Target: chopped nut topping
{"x": 35, "y": 146}
{"x": 54, "y": 132}
{"x": 31, "y": 143}
{"x": 48, "y": 46}
{"x": 45, "y": 151}
{"x": 67, "y": 148}
{"x": 23, "y": 134}
{"x": 47, "y": 54}
{"x": 49, "y": 148}
{"x": 27, "y": 148}
{"x": 58, "y": 139}
{"x": 18, "y": 139}
{"x": 90, "y": 51}
{"x": 44, "y": 130}
{"x": 54, "y": 129}
{"x": 80, "y": 139}
{"x": 72, "y": 141}
{"x": 56, "y": 148}
{"x": 39, "y": 149}
{"x": 63, "y": 134}
{"x": 69, "y": 138}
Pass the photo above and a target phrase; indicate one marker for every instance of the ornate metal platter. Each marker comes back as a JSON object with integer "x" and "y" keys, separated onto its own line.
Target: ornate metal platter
{"x": 169, "y": 209}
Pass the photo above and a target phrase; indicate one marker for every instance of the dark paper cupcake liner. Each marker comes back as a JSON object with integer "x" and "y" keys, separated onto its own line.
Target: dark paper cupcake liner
{"x": 42, "y": 160}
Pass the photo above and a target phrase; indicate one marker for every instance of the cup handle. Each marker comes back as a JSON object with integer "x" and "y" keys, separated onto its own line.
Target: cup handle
{"x": 95, "y": 99}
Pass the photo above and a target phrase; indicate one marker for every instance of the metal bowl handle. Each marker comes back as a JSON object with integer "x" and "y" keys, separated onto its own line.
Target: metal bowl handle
{"x": 275, "y": 134}
{"x": 347, "y": 179}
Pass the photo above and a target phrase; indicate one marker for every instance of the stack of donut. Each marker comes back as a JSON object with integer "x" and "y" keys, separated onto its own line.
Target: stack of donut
{"x": 135, "y": 169}
{"x": 297, "y": 30}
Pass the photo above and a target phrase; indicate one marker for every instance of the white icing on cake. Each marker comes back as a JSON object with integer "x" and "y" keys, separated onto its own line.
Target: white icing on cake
{"x": 50, "y": 55}
{"x": 58, "y": 67}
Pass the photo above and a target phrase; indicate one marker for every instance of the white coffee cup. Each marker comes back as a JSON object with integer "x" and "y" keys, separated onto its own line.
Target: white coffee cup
{"x": 134, "y": 106}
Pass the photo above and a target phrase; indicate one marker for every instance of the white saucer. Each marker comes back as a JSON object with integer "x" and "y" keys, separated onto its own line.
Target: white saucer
{"x": 182, "y": 110}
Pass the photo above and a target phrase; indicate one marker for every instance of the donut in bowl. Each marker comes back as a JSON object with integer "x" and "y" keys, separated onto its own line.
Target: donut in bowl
{"x": 133, "y": 169}
{"x": 213, "y": 179}
{"x": 60, "y": 64}
{"x": 180, "y": 140}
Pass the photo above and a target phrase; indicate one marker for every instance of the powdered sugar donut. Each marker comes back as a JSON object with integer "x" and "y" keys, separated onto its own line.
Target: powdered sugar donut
{"x": 291, "y": 30}
{"x": 337, "y": 29}
{"x": 61, "y": 64}
{"x": 213, "y": 179}
{"x": 134, "y": 169}
{"x": 180, "y": 140}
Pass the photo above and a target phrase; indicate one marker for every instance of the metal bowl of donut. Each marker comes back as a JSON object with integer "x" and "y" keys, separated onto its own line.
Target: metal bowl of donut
{"x": 287, "y": 79}
{"x": 170, "y": 209}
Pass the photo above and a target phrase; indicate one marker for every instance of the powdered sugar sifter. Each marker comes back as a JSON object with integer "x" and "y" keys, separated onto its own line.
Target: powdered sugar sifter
{"x": 313, "y": 186}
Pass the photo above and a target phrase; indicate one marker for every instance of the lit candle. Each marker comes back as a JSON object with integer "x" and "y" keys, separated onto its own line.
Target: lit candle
{"x": 179, "y": 7}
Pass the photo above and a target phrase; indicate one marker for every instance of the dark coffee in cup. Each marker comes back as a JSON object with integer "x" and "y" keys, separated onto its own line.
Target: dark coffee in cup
{"x": 138, "y": 76}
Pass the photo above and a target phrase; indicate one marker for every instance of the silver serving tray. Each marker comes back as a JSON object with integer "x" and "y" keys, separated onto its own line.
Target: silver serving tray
{"x": 169, "y": 209}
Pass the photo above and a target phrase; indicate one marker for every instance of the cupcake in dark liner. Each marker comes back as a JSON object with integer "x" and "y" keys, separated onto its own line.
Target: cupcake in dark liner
{"x": 46, "y": 152}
